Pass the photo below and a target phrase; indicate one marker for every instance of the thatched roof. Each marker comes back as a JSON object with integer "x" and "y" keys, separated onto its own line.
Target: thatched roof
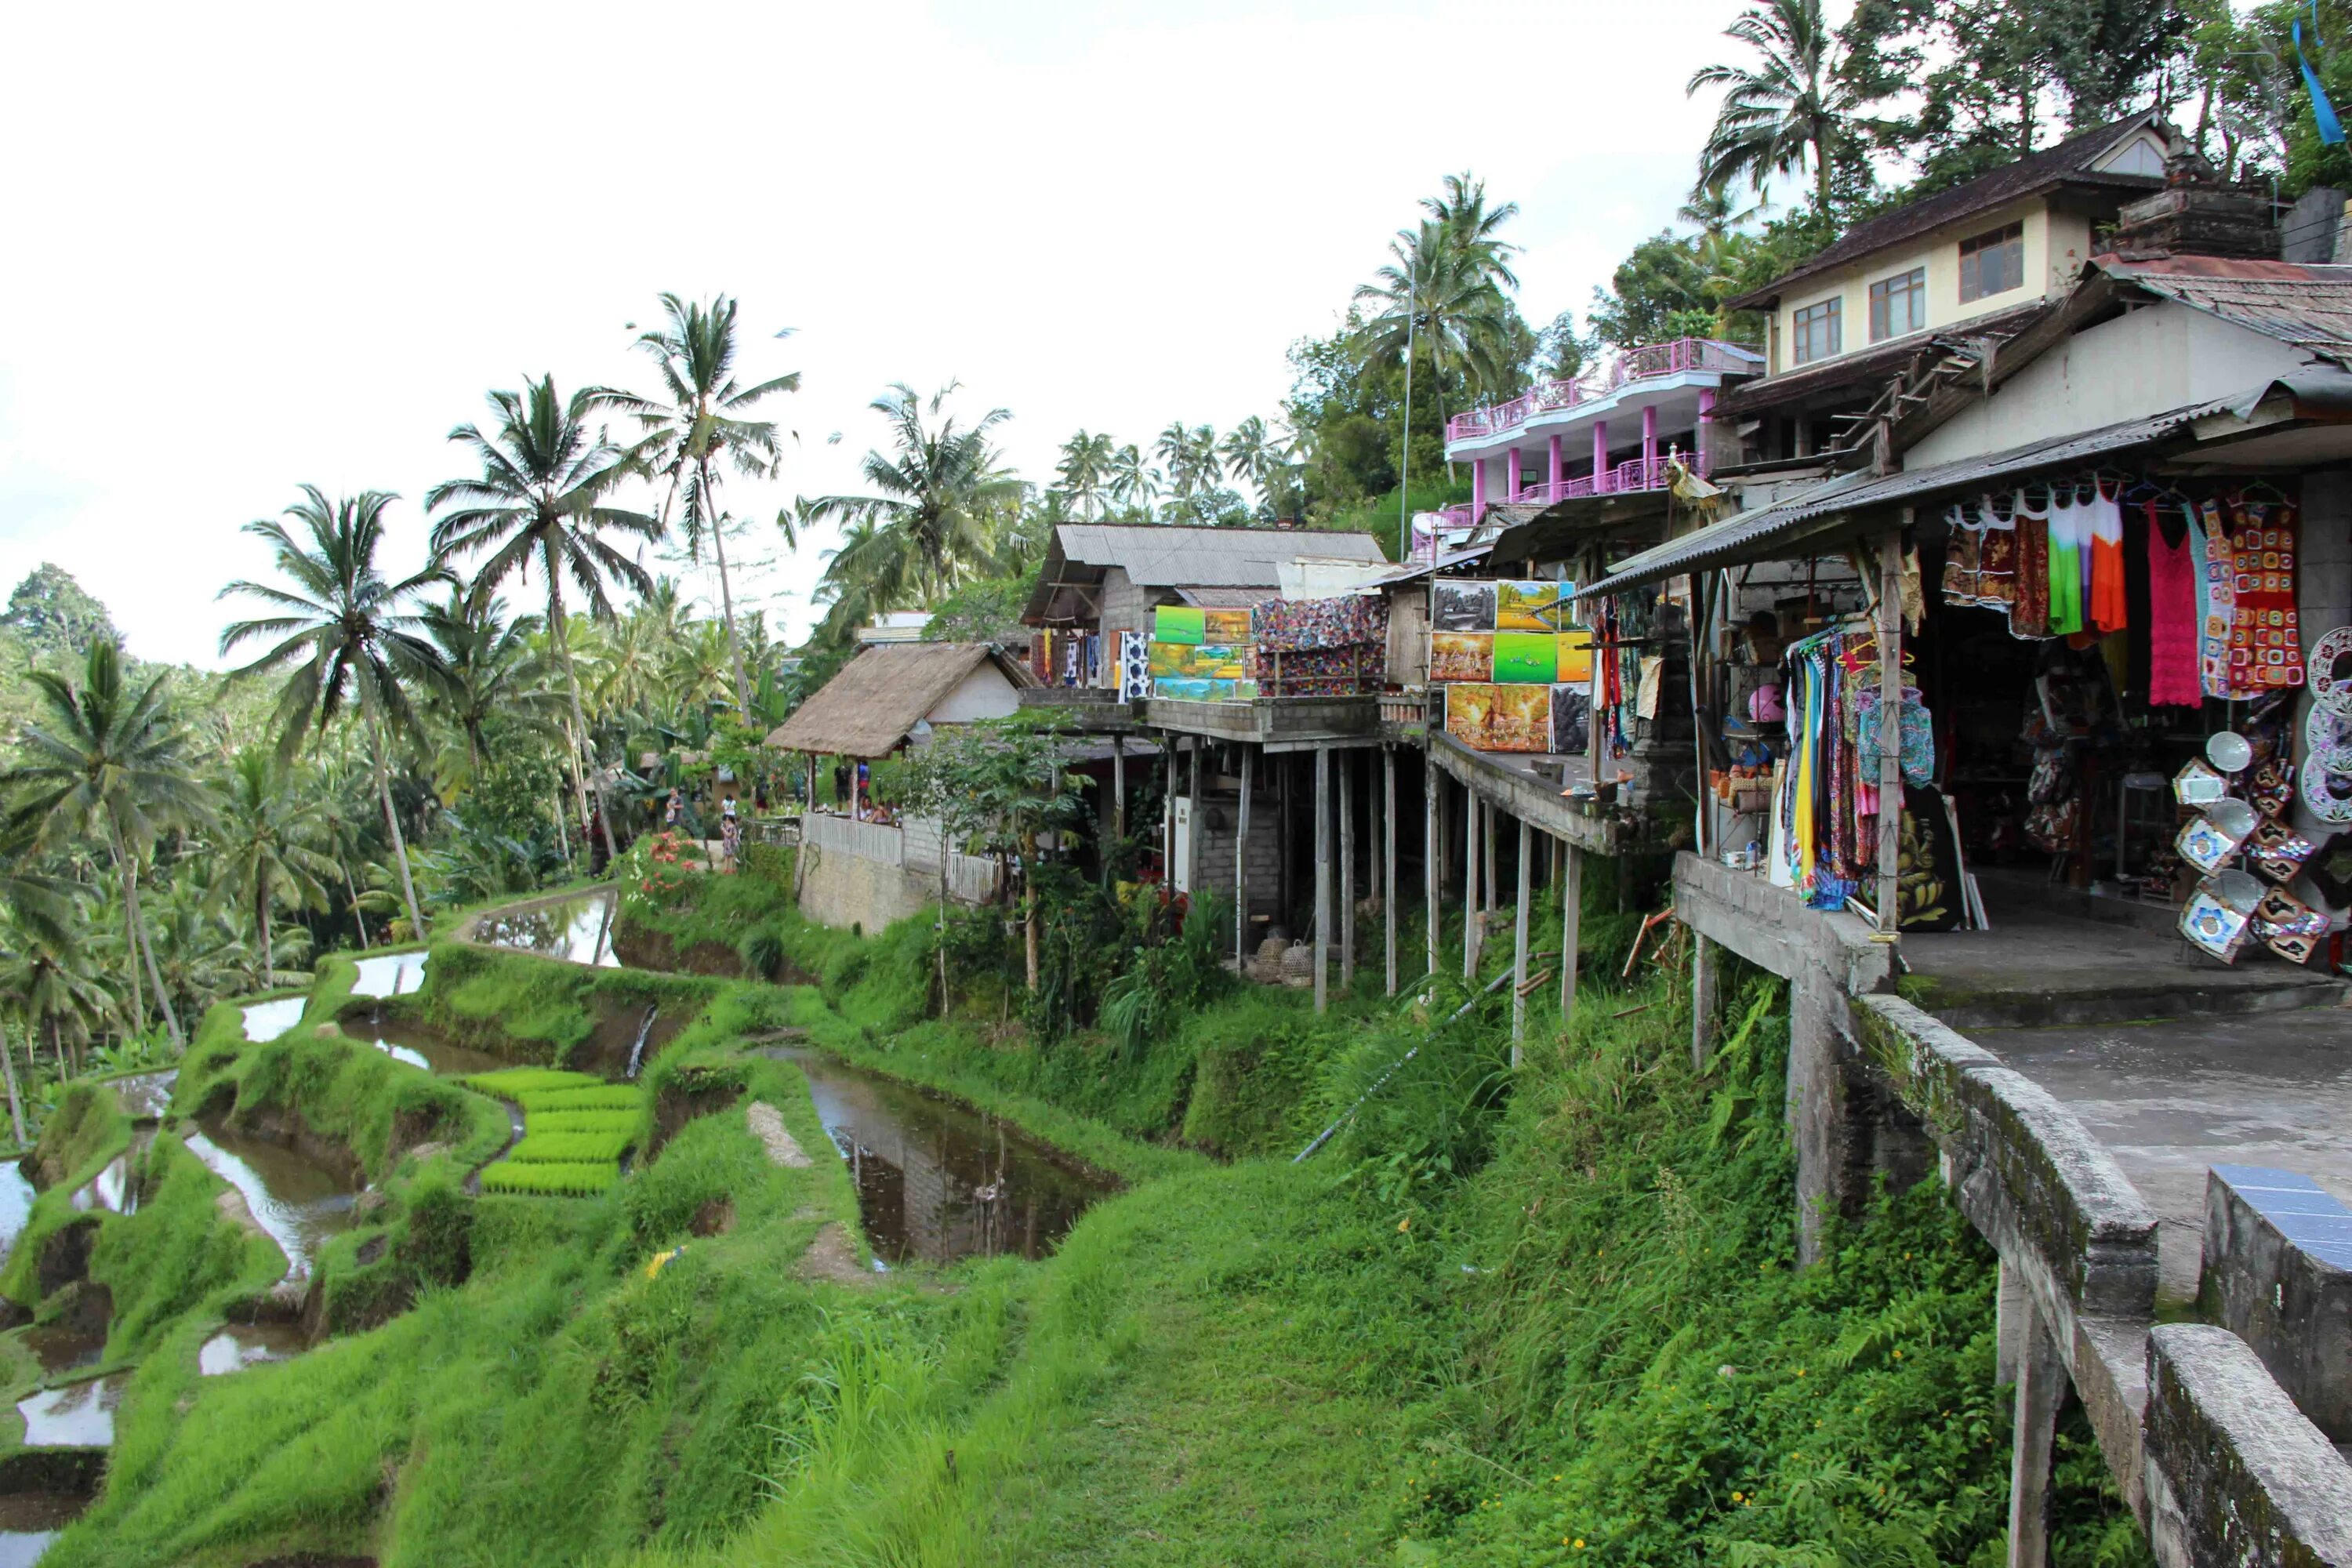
{"x": 868, "y": 709}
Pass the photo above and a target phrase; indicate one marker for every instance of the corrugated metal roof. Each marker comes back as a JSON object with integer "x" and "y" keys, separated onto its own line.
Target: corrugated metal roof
{"x": 1226, "y": 598}
{"x": 1158, "y": 556}
{"x": 1759, "y": 535}
{"x": 2301, "y": 304}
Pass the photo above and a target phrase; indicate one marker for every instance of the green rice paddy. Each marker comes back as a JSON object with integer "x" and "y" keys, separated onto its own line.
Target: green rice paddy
{"x": 576, "y": 1127}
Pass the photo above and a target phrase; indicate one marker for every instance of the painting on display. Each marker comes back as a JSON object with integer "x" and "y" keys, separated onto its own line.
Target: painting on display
{"x": 1576, "y": 654}
{"x": 1231, "y": 627}
{"x": 1461, "y": 656}
{"x": 1571, "y": 707}
{"x": 1178, "y": 624}
{"x": 1526, "y": 658}
{"x": 1463, "y": 607}
{"x": 1529, "y": 608}
{"x": 1489, "y": 717}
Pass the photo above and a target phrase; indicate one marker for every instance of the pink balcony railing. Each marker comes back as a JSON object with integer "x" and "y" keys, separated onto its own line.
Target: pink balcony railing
{"x": 1644, "y": 363}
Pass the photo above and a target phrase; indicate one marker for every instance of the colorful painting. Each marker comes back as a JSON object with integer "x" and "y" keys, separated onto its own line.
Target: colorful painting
{"x": 1209, "y": 661}
{"x": 1526, "y": 658}
{"x": 1529, "y": 607}
{"x": 1178, "y": 624}
{"x": 1576, "y": 656}
{"x": 1487, "y": 717}
{"x": 1230, "y": 626}
{"x": 1463, "y": 607}
{"x": 1168, "y": 659}
{"x": 1571, "y": 706}
{"x": 1461, "y": 656}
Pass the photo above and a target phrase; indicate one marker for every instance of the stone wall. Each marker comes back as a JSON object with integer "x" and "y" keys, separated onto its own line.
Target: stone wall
{"x": 840, "y": 889}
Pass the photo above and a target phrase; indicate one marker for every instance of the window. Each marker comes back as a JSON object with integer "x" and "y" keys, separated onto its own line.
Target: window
{"x": 1898, "y": 304}
{"x": 1813, "y": 332}
{"x": 1993, "y": 263}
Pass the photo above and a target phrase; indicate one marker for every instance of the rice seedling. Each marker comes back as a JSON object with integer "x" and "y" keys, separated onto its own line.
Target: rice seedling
{"x": 513, "y": 1081}
{"x": 583, "y": 1179}
{"x": 538, "y": 1148}
{"x": 586, "y": 1122}
{"x": 538, "y": 1100}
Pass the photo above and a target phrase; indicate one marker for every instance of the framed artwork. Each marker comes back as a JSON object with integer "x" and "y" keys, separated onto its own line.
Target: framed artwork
{"x": 1463, "y": 607}
{"x": 1529, "y": 607}
{"x": 1526, "y": 658}
{"x": 1230, "y": 627}
{"x": 1178, "y": 624}
{"x": 1461, "y": 656}
{"x": 1488, "y": 717}
{"x": 1575, "y": 656}
{"x": 1571, "y": 709}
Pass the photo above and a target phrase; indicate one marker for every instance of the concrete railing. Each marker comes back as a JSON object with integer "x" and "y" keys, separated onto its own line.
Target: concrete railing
{"x": 914, "y": 847}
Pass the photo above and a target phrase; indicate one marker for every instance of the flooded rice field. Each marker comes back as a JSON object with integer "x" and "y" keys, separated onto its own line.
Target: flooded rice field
{"x": 389, "y": 974}
{"x": 72, "y": 1415}
{"x": 267, "y": 1020}
{"x": 30, "y": 1521}
{"x": 422, "y": 1046}
{"x": 938, "y": 1181}
{"x": 60, "y": 1349}
{"x": 145, "y": 1096}
{"x": 16, "y": 1203}
{"x": 578, "y": 929}
{"x": 111, "y": 1191}
{"x": 299, "y": 1205}
{"x": 241, "y": 1345}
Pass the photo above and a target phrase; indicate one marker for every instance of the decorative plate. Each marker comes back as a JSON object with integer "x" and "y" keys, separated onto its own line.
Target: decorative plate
{"x": 2212, "y": 925}
{"x": 2197, "y": 784}
{"x": 2328, "y": 671}
{"x": 2327, "y": 739}
{"x": 2328, "y": 794}
{"x": 2229, "y": 751}
{"x": 2205, "y": 846}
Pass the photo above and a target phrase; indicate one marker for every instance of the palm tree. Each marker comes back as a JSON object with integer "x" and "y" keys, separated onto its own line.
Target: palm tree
{"x": 1473, "y": 233}
{"x": 1085, "y": 471}
{"x": 541, "y": 494}
{"x": 1257, "y": 459}
{"x": 269, "y": 844}
{"x": 492, "y": 672}
{"x": 704, "y": 422}
{"x": 341, "y": 638}
{"x": 943, "y": 489}
{"x": 107, "y": 763}
{"x": 1793, "y": 106}
{"x": 1191, "y": 455}
{"x": 51, "y": 986}
{"x": 1131, "y": 482}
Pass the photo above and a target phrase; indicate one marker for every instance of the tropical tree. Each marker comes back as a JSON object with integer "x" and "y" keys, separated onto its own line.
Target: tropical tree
{"x": 106, "y": 762}
{"x": 492, "y": 672}
{"x": 943, "y": 491}
{"x": 1472, "y": 231}
{"x": 1131, "y": 482}
{"x": 1191, "y": 459}
{"x": 543, "y": 493}
{"x": 1791, "y": 107}
{"x": 1085, "y": 471}
{"x": 342, "y": 639}
{"x": 702, "y": 427}
{"x": 1258, "y": 459}
{"x": 268, "y": 846}
{"x": 48, "y": 983}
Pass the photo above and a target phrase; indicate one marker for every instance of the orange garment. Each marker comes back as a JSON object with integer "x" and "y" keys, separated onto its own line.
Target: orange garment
{"x": 2106, "y": 611}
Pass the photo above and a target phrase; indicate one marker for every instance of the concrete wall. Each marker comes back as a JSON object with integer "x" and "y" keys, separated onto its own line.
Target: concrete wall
{"x": 840, "y": 890}
{"x": 985, "y": 693}
{"x": 2294, "y": 1309}
{"x": 2161, "y": 357}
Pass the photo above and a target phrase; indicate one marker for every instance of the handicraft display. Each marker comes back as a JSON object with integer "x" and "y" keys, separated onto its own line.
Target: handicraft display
{"x": 1488, "y": 717}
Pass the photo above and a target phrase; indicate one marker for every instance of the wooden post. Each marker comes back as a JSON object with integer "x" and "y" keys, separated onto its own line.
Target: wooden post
{"x": 1431, "y": 839}
{"x": 1519, "y": 942}
{"x": 2041, "y": 1386}
{"x": 1283, "y": 777}
{"x": 1494, "y": 884}
{"x": 1347, "y": 804}
{"x": 1470, "y": 921}
{"x": 1119, "y": 788}
{"x": 1890, "y": 725}
{"x": 1193, "y": 839}
{"x": 1572, "y": 909}
{"x": 1168, "y": 813}
{"x": 1240, "y": 866}
{"x": 1388, "y": 860}
{"x": 1322, "y": 878}
{"x": 1702, "y": 988}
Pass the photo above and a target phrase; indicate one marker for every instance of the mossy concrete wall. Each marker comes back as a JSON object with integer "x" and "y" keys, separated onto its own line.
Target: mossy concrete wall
{"x": 841, "y": 889}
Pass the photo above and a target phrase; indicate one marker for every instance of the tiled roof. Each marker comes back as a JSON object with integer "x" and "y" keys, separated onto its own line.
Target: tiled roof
{"x": 2304, "y": 304}
{"x": 2066, "y": 163}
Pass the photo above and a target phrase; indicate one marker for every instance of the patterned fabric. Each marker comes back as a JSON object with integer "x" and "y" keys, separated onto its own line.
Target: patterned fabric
{"x": 1134, "y": 665}
{"x": 2265, "y": 646}
{"x": 1294, "y": 625}
{"x": 2210, "y": 543}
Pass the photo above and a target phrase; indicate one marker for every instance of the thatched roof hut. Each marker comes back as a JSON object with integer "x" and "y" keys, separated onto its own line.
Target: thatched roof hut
{"x": 879, "y": 697}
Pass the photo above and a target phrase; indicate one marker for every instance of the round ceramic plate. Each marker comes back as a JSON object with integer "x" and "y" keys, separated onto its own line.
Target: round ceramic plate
{"x": 2234, "y": 817}
{"x": 2327, "y": 739}
{"x": 2329, "y": 795}
{"x": 2239, "y": 890}
{"x": 2229, "y": 752}
{"x": 2329, "y": 669}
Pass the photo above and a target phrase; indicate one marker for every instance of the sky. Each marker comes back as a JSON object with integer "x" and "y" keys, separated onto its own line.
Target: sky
{"x": 254, "y": 246}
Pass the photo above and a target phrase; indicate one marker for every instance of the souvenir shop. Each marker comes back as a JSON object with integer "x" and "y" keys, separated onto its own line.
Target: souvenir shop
{"x": 1332, "y": 646}
{"x": 1514, "y": 673}
{"x": 2100, "y": 680}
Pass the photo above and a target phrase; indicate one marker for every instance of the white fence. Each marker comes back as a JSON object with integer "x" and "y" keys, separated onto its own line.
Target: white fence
{"x": 915, "y": 847}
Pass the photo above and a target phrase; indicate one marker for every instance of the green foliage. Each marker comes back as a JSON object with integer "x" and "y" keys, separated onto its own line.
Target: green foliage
{"x": 176, "y": 1253}
{"x": 55, "y": 615}
{"x": 986, "y": 611}
{"x": 763, "y": 953}
{"x": 579, "y": 1180}
{"x": 550, "y": 1147}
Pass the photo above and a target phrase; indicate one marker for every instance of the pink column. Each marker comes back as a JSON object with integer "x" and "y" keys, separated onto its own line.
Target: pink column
{"x": 1478, "y": 490}
{"x": 1649, "y": 444}
{"x": 1511, "y": 476}
{"x": 1558, "y": 467}
{"x": 1599, "y": 456}
{"x": 1706, "y": 423}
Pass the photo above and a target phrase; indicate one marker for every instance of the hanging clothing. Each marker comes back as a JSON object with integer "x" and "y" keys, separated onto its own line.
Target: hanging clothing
{"x": 2108, "y": 611}
{"x": 2217, "y": 592}
{"x": 1963, "y": 557}
{"x": 2172, "y": 621}
{"x": 2265, "y": 646}
{"x": 1996, "y": 560}
{"x": 2029, "y": 615}
{"x": 2067, "y": 521}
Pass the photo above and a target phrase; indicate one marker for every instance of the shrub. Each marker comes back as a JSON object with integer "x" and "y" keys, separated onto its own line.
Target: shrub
{"x": 762, "y": 952}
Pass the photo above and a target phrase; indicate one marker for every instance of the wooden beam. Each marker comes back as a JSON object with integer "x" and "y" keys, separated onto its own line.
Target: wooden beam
{"x": 1240, "y": 866}
{"x": 1346, "y": 804}
{"x": 1388, "y": 861}
{"x": 1322, "y": 879}
{"x": 1571, "y": 912}
{"x": 1433, "y": 834}
{"x": 1519, "y": 943}
{"x": 1470, "y": 921}
{"x": 1890, "y": 725}
{"x": 1193, "y": 839}
{"x": 1119, "y": 788}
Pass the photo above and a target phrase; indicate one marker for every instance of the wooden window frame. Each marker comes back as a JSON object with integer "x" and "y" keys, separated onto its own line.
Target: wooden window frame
{"x": 1800, "y": 323}
{"x": 2007, "y": 242}
{"x": 1908, "y": 287}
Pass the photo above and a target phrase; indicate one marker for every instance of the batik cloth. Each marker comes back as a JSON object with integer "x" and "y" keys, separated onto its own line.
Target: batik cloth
{"x": 1134, "y": 665}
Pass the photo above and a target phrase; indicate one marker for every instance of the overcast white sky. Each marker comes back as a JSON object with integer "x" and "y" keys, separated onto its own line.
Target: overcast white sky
{"x": 252, "y": 246}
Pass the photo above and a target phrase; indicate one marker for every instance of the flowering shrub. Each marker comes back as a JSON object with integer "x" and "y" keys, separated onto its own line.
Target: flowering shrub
{"x": 654, "y": 875}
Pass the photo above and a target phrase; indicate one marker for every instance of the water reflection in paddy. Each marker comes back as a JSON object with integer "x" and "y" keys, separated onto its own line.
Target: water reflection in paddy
{"x": 30, "y": 1521}
{"x": 422, "y": 1046}
{"x": 241, "y": 1345}
{"x": 938, "y": 1181}
{"x": 389, "y": 974}
{"x": 16, "y": 1203}
{"x": 145, "y": 1096}
{"x": 267, "y": 1020}
{"x": 76, "y": 1415}
{"x": 578, "y": 929}
{"x": 298, "y": 1204}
